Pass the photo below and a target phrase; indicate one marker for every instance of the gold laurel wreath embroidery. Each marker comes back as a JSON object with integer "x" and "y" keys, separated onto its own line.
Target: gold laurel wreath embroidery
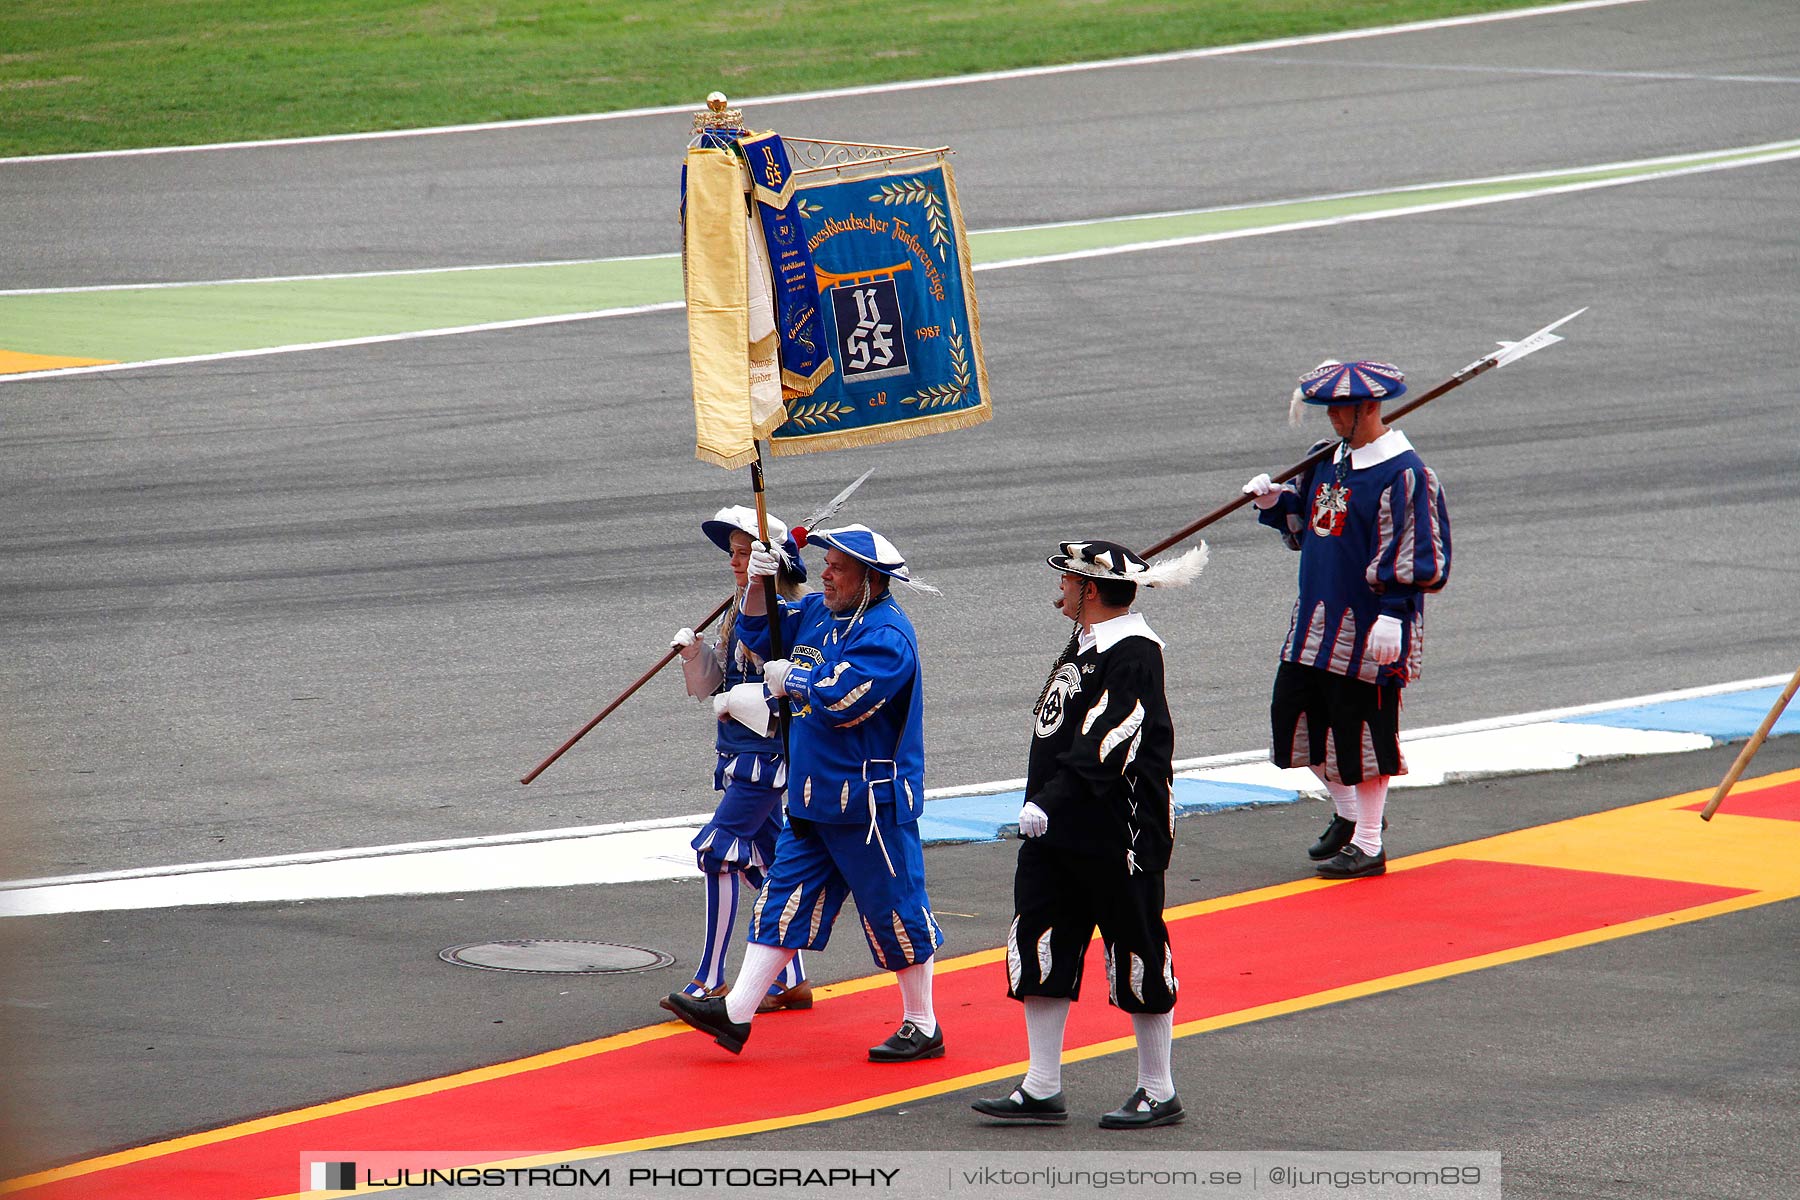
{"x": 808, "y": 209}
{"x": 944, "y": 395}
{"x": 912, "y": 191}
{"x": 820, "y": 412}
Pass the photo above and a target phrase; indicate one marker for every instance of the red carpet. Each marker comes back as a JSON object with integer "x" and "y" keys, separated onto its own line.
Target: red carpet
{"x": 1277, "y": 949}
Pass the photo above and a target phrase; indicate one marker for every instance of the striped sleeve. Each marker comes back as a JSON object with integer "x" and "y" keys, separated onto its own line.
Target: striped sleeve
{"x": 1412, "y": 540}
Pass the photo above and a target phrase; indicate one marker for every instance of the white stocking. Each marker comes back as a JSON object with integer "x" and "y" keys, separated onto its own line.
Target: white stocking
{"x": 915, "y": 996}
{"x": 1045, "y": 1017}
{"x": 1343, "y": 796}
{"x": 1155, "y": 1038}
{"x": 761, "y": 965}
{"x": 1371, "y": 801}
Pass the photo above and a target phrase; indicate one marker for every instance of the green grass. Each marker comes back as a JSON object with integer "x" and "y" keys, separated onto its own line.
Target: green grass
{"x": 109, "y": 74}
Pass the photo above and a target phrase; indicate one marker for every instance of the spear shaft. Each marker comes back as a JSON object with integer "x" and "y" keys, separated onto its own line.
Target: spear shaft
{"x": 1319, "y": 455}
{"x": 829, "y": 510}
{"x": 625, "y": 695}
{"x": 1508, "y": 352}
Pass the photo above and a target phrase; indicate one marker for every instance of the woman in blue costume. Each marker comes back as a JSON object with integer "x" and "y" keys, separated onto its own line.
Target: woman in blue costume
{"x": 738, "y": 843}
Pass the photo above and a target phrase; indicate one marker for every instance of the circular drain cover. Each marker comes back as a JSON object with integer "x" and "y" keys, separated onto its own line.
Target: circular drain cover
{"x": 556, "y": 957}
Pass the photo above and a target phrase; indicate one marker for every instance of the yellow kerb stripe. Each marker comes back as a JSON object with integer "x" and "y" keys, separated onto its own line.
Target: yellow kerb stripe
{"x": 17, "y": 362}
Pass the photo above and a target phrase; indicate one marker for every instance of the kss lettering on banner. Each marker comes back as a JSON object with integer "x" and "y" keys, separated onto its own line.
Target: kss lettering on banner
{"x": 869, "y": 340}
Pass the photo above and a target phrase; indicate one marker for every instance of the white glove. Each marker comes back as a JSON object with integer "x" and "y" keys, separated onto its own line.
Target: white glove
{"x": 721, "y": 706}
{"x": 762, "y": 562}
{"x": 1266, "y": 494}
{"x": 1384, "y": 641}
{"x": 775, "y": 673}
{"x": 685, "y": 641}
{"x": 1033, "y": 821}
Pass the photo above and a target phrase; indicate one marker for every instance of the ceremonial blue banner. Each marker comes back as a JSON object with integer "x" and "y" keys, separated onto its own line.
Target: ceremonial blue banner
{"x": 804, "y": 361}
{"x": 891, "y": 263}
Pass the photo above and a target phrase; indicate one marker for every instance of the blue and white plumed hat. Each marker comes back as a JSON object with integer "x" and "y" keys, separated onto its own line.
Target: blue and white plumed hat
{"x": 872, "y": 550}
{"x": 739, "y": 519}
{"x": 1334, "y": 382}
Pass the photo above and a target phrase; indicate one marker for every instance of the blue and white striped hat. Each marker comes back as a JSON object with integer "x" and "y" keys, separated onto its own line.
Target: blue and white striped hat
{"x": 865, "y": 546}
{"x": 870, "y": 549}
{"x": 1334, "y": 382}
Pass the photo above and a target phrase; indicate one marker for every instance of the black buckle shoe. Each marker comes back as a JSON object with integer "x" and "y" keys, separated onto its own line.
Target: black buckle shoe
{"x": 1352, "y": 863}
{"x": 701, "y": 992}
{"x": 708, "y": 1015}
{"x": 908, "y": 1044}
{"x": 1020, "y": 1107}
{"x": 1141, "y": 1112}
{"x": 1337, "y": 835}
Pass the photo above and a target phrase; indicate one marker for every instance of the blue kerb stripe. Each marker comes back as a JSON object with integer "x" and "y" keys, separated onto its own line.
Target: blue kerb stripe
{"x": 1731, "y": 717}
{"x": 980, "y": 818}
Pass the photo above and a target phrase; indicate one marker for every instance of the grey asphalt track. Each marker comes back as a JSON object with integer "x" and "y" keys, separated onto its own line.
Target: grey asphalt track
{"x": 347, "y": 598}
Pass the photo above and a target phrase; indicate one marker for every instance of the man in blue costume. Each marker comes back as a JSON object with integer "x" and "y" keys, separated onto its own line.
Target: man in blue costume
{"x": 1373, "y": 533}
{"x": 855, "y": 788}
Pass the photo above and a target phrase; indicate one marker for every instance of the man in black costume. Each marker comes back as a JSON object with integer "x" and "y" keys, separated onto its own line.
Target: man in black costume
{"x": 1098, "y": 824}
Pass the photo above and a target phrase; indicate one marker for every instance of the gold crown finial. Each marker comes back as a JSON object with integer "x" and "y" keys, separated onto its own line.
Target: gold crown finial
{"x": 718, "y": 115}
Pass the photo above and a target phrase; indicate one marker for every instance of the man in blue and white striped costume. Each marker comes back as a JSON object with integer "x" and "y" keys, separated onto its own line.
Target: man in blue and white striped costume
{"x": 1373, "y": 533}
{"x": 855, "y": 789}
{"x": 738, "y": 844}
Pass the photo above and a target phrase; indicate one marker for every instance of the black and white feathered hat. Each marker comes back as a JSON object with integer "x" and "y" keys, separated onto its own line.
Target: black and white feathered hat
{"x": 1109, "y": 560}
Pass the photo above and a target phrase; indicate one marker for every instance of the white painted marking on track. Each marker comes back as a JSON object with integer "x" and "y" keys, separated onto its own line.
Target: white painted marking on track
{"x": 1357, "y": 64}
{"x": 866, "y": 90}
{"x": 1771, "y": 152}
{"x": 397, "y": 271}
{"x": 637, "y": 851}
{"x": 486, "y": 327}
{"x": 1790, "y": 148}
{"x": 1387, "y": 213}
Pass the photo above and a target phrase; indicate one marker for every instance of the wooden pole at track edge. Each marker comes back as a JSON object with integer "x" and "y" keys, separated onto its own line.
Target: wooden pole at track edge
{"x": 1751, "y": 747}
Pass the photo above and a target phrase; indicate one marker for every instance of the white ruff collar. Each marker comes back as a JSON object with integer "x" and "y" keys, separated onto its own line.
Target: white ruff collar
{"x": 1387, "y": 446}
{"x": 1108, "y": 634}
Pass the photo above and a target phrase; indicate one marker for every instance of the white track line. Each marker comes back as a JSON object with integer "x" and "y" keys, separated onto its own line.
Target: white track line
{"x": 1387, "y": 213}
{"x": 632, "y": 849}
{"x": 486, "y": 327}
{"x": 1676, "y": 163}
{"x": 1549, "y": 72}
{"x": 193, "y": 283}
{"x": 869, "y": 90}
{"x": 1006, "y": 264}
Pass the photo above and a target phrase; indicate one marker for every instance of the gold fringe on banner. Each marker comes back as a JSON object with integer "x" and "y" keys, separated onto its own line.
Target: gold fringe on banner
{"x": 874, "y": 435}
